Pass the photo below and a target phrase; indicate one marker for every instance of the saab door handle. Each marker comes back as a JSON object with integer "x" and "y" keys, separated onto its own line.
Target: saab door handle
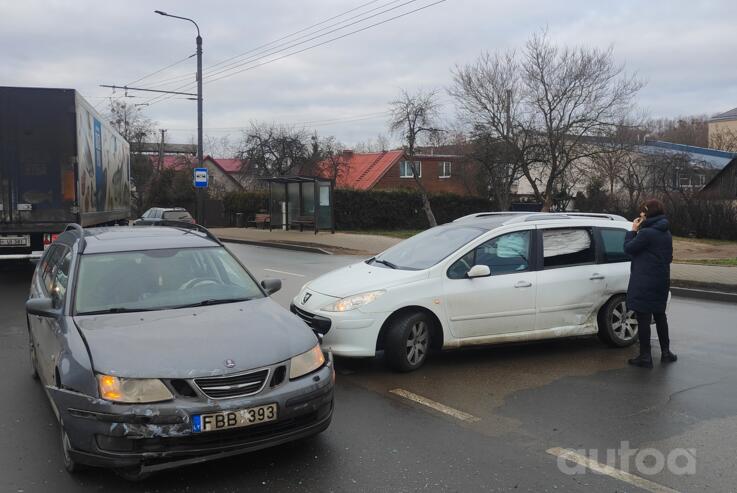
{"x": 523, "y": 284}
{"x": 596, "y": 277}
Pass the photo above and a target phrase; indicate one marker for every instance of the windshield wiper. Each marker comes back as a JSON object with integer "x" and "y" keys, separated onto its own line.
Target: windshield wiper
{"x": 116, "y": 309}
{"x": 212, "y": 301}
{"x": 385, "y": 262}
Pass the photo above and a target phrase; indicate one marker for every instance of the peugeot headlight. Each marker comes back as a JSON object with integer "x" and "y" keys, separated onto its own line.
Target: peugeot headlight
{"x": 353, "y": 302}
{"x": 132, "y": 390}
{"x": 305, "y": 363}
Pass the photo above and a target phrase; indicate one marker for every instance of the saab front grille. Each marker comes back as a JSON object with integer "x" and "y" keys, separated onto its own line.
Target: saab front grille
{"x": 240, "y": 385}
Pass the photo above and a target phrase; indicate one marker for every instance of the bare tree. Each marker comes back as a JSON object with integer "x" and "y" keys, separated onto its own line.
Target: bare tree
{"x": 272, "y": 150}
{"x": 219, "y": 146}
{"x": 545, "y": 103}
{"x": 414, "y": 116}
{"x": 618, "y": 152}
{"x": 689, "y": 130}
{"x": 129, "y": 121}
{"x": 489, "y": 94}
{"x": 135, "y": 128}
{"x": 379, "y": 144}
{"x": 331, "y": 162}
{"x": 723, "y": 139}
{"x": 572, "y": 94}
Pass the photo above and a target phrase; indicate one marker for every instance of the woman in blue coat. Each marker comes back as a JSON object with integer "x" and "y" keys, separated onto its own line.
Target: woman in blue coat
{"x": 650, "y": 246}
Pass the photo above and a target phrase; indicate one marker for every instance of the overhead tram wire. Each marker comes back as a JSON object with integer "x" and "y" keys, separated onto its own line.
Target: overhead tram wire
{"x": 160, "y": 70}
{"x": 187, "y": 76}
{"x": 258, "y": 52}
{"x": 293, "y": 34}
{"x": 251, "y": 59}
{"x": 384, "y": 21}
{"x": 308, "y": 123}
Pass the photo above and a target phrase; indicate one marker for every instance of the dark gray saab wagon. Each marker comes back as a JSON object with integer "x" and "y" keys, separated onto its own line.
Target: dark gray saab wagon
{"x": 157, "y": 348}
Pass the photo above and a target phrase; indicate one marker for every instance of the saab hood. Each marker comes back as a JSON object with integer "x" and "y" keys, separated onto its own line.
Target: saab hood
{"x": 362, "y": 277}
{"x": 194, "y": 342}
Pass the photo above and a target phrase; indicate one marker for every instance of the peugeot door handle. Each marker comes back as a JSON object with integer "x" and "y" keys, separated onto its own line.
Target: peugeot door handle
{"x": 596, "y": 277}
{"x": 523, "y": 284}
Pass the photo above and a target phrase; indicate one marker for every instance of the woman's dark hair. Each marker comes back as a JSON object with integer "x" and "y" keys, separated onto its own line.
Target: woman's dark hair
{"x": 652, "y": 208}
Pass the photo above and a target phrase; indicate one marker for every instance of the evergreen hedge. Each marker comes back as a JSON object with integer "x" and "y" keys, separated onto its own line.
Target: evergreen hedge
{"x": 365, "y": 210}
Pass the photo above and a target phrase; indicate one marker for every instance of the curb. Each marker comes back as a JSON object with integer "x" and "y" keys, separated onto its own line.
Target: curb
{"x": 271, "y": 244}
{"x": 704, "y": 294}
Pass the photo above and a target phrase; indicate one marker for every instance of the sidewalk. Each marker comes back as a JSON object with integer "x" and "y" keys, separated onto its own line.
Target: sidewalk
{"x": 705, "y": 277}
{"x": 688, "y": 276}
{"x": 323, "y": 242}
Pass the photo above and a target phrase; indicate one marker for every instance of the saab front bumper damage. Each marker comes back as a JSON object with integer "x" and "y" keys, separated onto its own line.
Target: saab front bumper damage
{"x": 160, "y": 436}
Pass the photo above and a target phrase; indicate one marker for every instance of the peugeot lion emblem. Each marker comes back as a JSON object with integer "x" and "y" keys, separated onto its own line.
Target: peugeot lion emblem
{"x": 306, "y": 298}
{"x": 229, "y": 363}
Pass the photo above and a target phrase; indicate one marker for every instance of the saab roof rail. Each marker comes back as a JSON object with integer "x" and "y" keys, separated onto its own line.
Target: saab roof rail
{"x": 80, "y": 232}
{"x": 171, "y": 223}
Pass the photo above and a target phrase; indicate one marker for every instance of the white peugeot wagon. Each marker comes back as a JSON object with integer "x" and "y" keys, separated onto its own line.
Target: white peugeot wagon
{"x": 486, "y": 278}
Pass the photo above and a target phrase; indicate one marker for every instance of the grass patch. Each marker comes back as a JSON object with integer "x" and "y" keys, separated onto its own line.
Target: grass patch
{"x": 724, "y": 262}
{"x": 398, "y": 233}
{"x": 704, "y": 240}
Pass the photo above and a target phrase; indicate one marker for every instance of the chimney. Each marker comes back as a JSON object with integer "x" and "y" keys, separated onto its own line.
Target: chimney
{"x": 347, "y": 153}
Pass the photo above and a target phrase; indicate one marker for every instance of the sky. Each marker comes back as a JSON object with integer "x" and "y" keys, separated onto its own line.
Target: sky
{"x": 683, "y": 50}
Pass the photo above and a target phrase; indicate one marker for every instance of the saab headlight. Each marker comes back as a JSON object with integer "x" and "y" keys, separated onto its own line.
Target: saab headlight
{"x": 305, "y": 363}
{"x": 132, "y": 390}
{"x": 353, "y": 302}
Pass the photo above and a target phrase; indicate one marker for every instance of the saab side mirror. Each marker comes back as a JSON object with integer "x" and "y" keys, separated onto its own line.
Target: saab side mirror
{"x": 271, "y": 286}
{"x": 42, "y": 307}
{"x": 478, "y": 271}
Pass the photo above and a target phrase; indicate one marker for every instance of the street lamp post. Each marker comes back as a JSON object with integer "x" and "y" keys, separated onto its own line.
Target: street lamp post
{"x": 200, "y": 197}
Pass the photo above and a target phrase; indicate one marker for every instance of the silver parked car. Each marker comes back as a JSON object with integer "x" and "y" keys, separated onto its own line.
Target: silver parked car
{"x": 157, "y": 348}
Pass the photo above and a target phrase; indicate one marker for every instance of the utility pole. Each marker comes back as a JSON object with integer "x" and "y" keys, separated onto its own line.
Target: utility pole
{"x": 200, "y": 192}
{"x": 161, "y": 150}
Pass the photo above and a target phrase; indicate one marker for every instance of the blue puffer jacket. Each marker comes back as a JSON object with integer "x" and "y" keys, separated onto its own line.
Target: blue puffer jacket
{"x": 651, "y": 251}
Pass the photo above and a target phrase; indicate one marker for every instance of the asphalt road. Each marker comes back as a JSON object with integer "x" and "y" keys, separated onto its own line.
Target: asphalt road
{"x": 519, "y": 402}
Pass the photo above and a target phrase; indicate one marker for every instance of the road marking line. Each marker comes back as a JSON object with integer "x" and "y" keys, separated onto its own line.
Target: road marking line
{"x": 285, "y": 272}
{"x": 469, "y": 418}
{"x": 610, "y": 471}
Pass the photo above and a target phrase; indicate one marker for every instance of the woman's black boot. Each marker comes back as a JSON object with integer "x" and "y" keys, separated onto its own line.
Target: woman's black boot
{"x": 643, "y": 361}
{"x": 667, "y": 357}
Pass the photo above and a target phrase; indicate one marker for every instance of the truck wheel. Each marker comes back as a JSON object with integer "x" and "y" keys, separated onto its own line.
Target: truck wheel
{"x": 408, "y": 342}
{"x": 617, "y": 324}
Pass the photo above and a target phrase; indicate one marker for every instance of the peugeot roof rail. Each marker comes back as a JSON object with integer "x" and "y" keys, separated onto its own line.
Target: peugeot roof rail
{"x": 80, "y": 232}
{"x": 548, "y": 216}
{"x": 479, "y": 215}
{"x": 171, "y": 223}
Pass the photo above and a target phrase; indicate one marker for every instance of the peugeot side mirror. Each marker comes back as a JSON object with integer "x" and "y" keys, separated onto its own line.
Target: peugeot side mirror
{"x": 271, "y": 285}
{"x": 42, "y": 307}
{"x": 478, "y": 271}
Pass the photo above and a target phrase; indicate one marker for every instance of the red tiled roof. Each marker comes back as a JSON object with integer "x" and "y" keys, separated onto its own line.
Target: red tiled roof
{"x": 363, "y": 170}
{"x": 230, "y": 166}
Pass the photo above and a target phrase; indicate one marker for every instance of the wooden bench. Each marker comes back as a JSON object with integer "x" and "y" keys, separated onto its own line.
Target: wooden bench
{"x": 260, "y": 219}
{"x": 303, "y": 221}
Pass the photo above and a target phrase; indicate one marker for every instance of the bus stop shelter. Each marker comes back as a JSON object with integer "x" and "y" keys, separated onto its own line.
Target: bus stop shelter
{"x": 304, "y": 202}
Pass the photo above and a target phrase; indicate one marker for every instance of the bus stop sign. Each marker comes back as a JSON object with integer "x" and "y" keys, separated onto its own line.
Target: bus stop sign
{"x": 201, "y": 178}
